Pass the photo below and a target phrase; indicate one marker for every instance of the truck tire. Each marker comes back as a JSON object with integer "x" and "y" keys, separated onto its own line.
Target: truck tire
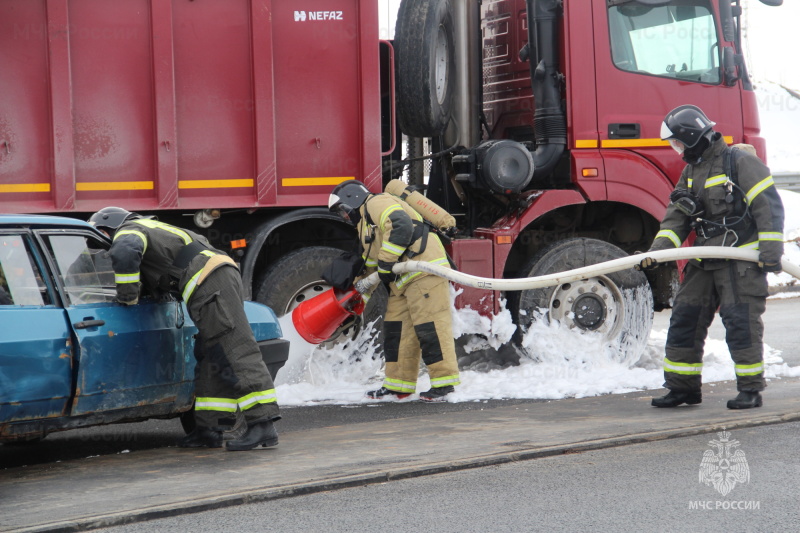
{"x": 296, "y": 277}
{"x": 424, "y": 44}
{"x": 619, "y": 305}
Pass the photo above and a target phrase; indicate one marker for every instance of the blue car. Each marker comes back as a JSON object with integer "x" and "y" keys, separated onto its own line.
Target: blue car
{"x": 70, "y": 356}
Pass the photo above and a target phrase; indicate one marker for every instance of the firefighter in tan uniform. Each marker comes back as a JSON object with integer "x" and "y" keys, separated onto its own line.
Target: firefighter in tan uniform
{"x": 231, "y": 374}
{"x": 728, "y": 198}
{"x": 418, "y": 321}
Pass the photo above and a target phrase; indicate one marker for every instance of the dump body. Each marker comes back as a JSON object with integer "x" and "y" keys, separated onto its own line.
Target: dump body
{"x": 184, "y": 105}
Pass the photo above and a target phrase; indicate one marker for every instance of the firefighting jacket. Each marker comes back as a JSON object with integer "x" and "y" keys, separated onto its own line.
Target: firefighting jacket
{"x": 144, "y": 252}
{"x": 390, "y": 231}
{"x": 750, "y": 216}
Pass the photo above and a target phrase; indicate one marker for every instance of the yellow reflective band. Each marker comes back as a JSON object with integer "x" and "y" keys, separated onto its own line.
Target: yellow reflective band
{"x": 371, "y": 263}
{"x": 399, "y": 386}
{"x": 153, "y": 224}
{"x": 133, "y": 232}
{"x": 445, "y": 381}
{"x": 716, "y": 180}
{"x": 208, "y": 253}
{"x": 389, "y": 210}
{"x": 392, "y": 249}
{"x": 405, "y": 278}
{"x": 254, "y": 398}
{"x": 440, "y": 261}
{"x": 671, "y": 235}
{"x": 25, "y": 187}
{"x": 191, "y": 285}
{"x": 126, "y": 278}
{"x": 215, "y": 184}
{"x": 750, "y": 245}
{"x": 689, "y": 182}
{"x": 770, "y": 236}
{"x": 113, "y": 185}
{"x": 215, "y": 404}
{"x": 749, "y": 370}
{"x": 689, "y": 369}
{"x": 758, "y": 188}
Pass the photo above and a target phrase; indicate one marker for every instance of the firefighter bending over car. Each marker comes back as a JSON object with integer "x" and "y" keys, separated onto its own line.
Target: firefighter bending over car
{"x": 728, "y": 198}
{"x": 417, "y": 321}
{"x": 231, "y": 374}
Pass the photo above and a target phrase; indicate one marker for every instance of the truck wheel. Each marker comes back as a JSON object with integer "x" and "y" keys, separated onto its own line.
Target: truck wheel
{"x": 424, "y": 43}
{"x": 296, "y": 277}
{"x": 618, "y": 306}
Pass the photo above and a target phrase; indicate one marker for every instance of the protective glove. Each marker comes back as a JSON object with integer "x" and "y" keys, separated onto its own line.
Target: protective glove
{"x": 770, "y": 267}
{"x": 648, "y": 263}
{"x": 385, "y": 272}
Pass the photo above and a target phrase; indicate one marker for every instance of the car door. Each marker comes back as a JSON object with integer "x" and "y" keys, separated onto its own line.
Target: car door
{"x": 127, "y": 356}
{"x": 35, "y": 349}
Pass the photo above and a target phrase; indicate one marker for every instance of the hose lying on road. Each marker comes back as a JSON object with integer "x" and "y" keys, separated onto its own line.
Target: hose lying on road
{"x": 519, "y": 284}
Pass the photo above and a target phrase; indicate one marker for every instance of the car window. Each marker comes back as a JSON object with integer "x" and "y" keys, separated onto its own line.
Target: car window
{"x": 84, "y": 268}
{"x": 674, "y": 41}
{"x": 20, "y": 280}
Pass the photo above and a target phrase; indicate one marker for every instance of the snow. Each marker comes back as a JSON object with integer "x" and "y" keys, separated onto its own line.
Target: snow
{"x": 564, "y": 365}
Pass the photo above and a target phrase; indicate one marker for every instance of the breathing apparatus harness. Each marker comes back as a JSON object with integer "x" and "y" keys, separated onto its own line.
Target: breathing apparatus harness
{"x": 692, "y": 206}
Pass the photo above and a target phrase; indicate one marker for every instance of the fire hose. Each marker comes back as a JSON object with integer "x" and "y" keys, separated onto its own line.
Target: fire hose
{"x": 316, "y": 319}
{"x": 368, "y": 283}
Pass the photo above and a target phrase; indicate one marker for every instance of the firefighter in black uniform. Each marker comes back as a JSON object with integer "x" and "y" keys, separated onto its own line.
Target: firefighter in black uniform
{"x": 728, "y": 197}
{"x": 231, "y": 374}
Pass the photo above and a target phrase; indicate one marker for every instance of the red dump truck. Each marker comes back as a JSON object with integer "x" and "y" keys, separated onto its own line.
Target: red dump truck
{"x": 538, "y": 119}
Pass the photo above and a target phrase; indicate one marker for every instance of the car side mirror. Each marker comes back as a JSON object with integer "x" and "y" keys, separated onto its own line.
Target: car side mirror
{"x": 730, "y": 73}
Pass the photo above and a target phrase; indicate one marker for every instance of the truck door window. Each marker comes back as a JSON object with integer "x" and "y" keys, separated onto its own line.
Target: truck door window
{"x": 84, "y": 268}
{"x": 20, "y": 280}
{"x": 674, "y": 41}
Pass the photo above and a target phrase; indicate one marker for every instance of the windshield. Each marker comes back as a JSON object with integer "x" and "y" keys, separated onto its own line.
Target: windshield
{"x": 678, "y": 40}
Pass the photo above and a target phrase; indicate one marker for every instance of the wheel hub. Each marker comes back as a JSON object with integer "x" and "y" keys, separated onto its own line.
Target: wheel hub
{"x": 442, "y": 55}
{"x": 591, "y": 305}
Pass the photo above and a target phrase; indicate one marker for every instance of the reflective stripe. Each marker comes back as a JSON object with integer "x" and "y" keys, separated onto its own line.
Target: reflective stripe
{"x": 133, "y": 232}
{"x": 399, "y": 385}
{"x": 392, "y": 249}
{"x": 689, "y": 182}
{"x": 750, "y": 245}
{"x": 191, "y": 285}
{"x": 758, "y": 188}
{"x": 369, "y": 262}
{"x": 209, "y": 253}
{"x": 266, "y": 396}
{"x": 770, "y": 236}
{"x": 716, "y": 180}
{"x": 445, "y": 381}
{"x": 166, "y": 227}
{"x": 749, "y": 370}
{"x": 126, "y": 278}
{"x": 671, "y": 235}
{"x": 406, "y": 278}
{"x": 215, "y": 404}
{"x": 689, "y": 369}
{"x": 388, "y": 211}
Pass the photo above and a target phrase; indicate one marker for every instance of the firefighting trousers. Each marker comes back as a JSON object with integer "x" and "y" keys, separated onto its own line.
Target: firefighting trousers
{"x": 739, "y": 289}
{"x": 418, "y": 324}
{"x": 230, "y": 375}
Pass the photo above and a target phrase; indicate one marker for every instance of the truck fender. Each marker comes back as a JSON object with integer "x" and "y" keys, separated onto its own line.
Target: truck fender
{"x": 264, "y": 230}
{"x": 634, "y": 180}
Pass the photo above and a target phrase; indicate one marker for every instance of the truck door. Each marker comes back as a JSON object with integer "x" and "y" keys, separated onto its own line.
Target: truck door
{"x": 649, "y": 60}
{"x": 35, "y": 355}
{"x": 126, "y": 356}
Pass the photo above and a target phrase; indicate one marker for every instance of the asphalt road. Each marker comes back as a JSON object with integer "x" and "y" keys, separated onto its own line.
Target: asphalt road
{"x": 780, "y": 333}
{"x": 642, "y": 487}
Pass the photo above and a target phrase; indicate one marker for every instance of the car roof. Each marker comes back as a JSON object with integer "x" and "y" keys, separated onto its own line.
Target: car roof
{"x": 43, "y": 221}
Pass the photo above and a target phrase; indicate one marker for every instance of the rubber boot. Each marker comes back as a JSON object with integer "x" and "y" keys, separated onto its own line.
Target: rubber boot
{"x": 259, "y": 433}
{"x": 386, "y": 394}
{"x": 436, "y": 394}
{"x": 676, "y": 398}
{"x": 746, "y": 399}
{"x": 201, "y": 437}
